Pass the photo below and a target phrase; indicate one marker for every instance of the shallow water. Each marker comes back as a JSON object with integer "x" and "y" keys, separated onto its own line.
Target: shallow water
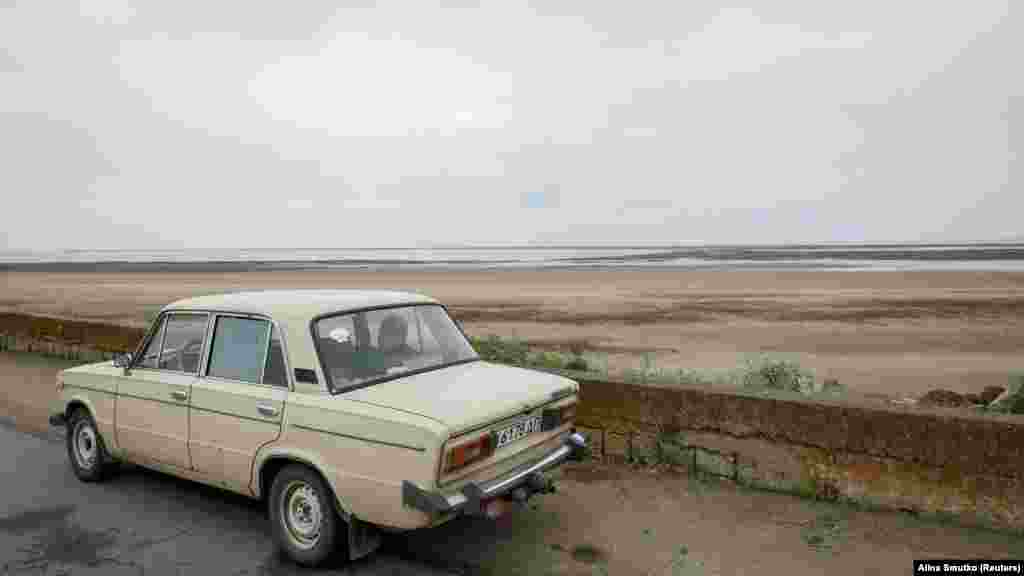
{"x": 995, "y": 257}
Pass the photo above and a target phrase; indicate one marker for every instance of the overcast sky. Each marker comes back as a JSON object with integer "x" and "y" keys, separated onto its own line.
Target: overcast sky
{"x": 276, "y": 124}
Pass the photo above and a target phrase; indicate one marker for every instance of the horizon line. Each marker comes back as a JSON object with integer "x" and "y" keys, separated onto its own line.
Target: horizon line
{"x": 545, "y": 245}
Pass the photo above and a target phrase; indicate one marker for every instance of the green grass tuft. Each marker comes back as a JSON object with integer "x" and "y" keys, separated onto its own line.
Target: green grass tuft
{"x": 761, "y": 374}
{"x": 1012, "y": 401}
{"x": 501, "y": 350}
{"x": 824, "y": 532}
{"x": 150, "y": 315}
{"x": 769, "y": 373}
{"x": 516, "y": 352}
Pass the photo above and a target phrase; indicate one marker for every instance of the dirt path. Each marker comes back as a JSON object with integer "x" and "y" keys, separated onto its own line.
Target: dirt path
{"x": 612, "y": 520}
{"x": 27, "y": 386}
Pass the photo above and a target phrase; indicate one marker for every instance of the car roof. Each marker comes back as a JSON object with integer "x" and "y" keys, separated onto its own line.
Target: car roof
{"x": 298, "y": 304}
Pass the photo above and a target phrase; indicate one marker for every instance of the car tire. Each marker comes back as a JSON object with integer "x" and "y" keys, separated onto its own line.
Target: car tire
{"x": 89, "y": 458}
{"x": 303, "y": 519}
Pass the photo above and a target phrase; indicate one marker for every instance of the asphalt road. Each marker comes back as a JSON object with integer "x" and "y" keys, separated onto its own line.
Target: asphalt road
{"x": 143, "y": 522}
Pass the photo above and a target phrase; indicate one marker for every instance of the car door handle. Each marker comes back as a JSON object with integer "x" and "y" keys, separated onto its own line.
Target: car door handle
{"x": 266, "y": 410}
{"x": 179, "y": 395}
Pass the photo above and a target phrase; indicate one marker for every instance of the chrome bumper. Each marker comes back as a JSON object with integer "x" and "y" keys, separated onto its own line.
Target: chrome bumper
{"x": 525, "y": 480}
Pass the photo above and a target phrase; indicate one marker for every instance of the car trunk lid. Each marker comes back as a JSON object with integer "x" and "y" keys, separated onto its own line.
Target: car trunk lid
{"x": 470, "y": 396}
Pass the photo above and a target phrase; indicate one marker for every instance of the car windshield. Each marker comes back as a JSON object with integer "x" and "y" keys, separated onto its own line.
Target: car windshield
{"x": 361, "y": 347}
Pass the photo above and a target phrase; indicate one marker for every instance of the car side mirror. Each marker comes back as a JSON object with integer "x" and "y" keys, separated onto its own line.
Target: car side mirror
{"x": 123, "y": 361}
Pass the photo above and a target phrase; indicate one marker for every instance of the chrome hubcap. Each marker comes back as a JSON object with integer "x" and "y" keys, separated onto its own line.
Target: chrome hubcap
{"x": 302, "y": 515}
{"x": 85, "y": 445}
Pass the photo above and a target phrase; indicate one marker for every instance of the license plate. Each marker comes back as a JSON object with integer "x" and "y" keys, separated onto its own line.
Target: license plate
{"x": 518, "y": 430}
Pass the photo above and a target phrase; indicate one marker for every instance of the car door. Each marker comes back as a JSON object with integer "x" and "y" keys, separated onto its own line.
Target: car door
{"x": 237, "y": 404}
{"x": 151, "y": 406}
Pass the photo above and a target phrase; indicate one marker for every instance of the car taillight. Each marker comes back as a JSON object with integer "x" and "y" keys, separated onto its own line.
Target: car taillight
{"x": 555, "y": 417}
{"x": 469, "y": 452}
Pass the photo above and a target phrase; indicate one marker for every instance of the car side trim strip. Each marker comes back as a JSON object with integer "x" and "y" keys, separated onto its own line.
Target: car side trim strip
{"x": 77, "y": 387}
{"x": 363, "y": 438}
{"x": 250, "y": 418}
{"x": 150, "y": 399}
{"x": 192, "y": 406}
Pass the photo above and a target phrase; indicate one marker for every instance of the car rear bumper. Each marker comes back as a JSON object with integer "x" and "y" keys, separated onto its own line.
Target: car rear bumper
{"x": 519, "y": 484}
{"x": 58, "y": 419}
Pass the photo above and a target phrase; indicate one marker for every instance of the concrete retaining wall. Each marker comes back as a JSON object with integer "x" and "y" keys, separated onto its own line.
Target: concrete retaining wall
{"x": 31, "y": 332}
{"x": 945, "y": 464}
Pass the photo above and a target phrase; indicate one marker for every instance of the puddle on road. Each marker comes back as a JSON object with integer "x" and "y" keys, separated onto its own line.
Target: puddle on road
{"x": 58, "y": 540}
{"x": 32, "y": 520}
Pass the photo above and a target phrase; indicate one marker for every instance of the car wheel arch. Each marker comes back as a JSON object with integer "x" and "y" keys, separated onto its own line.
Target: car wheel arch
{"x": 73, "y": 408}
{"x": 85, "y": 404}
{"x": 77, "y": 403}
{"x": 273, "y": 463}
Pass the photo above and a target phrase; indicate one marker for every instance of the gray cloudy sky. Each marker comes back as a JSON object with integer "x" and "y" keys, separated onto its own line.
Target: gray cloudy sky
{"x": 222, "y": 124}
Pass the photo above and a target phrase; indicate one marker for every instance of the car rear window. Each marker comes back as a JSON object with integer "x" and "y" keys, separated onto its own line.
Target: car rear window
{"x": 361, "y": 347}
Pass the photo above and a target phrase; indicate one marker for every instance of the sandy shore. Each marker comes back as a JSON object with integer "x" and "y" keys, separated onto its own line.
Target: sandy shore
{"x": 892, "y": 333}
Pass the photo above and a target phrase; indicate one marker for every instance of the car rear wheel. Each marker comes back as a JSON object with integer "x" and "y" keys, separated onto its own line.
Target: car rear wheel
{"x": 86, "y": 451}
{"x": 305, "y": 525}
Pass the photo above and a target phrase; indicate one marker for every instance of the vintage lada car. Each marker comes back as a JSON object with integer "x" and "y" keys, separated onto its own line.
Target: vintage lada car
{"x": 349, "y": 412}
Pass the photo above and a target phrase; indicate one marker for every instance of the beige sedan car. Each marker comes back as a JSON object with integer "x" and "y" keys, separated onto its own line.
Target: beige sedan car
{"x": 347, "y": 411}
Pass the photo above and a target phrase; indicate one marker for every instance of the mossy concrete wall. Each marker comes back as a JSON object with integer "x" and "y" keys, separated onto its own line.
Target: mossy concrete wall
{"x": 946, "y": 464}
{"x": 36, "y": 333}
{"x": 943, "y": 464}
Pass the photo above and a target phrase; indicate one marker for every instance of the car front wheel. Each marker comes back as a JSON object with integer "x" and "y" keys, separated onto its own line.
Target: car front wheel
{"x": 86, "y": 451}
{"x": 305, "y": 525}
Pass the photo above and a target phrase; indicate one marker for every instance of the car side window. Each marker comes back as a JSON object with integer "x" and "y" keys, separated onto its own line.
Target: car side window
{"x": 183, "y": 343}
{"x": 339, "y": 339}
{"x": 274, "y": 373}
{"x": 239, "y": 349}
{"x": 152, "y": 351}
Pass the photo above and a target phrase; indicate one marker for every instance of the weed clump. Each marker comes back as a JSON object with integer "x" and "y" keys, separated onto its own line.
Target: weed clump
{"x": 670, "y": 448}
{"x": 596, "y": 362}
{"x": 648, "y": 373}
{"x": 545, "y": 359}
{"x": 663, "y": 451}
{"x": 150, "y": 315}
{"x": 764, "y": 373}
{"x": 516, "y": 352}
{"x": 501, "y": 350}
{"x": 758, "y": 374}
{"x": 577, "y": 363}
{"x": 824, "y": 532}
{"x": 1011, "y": 401}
